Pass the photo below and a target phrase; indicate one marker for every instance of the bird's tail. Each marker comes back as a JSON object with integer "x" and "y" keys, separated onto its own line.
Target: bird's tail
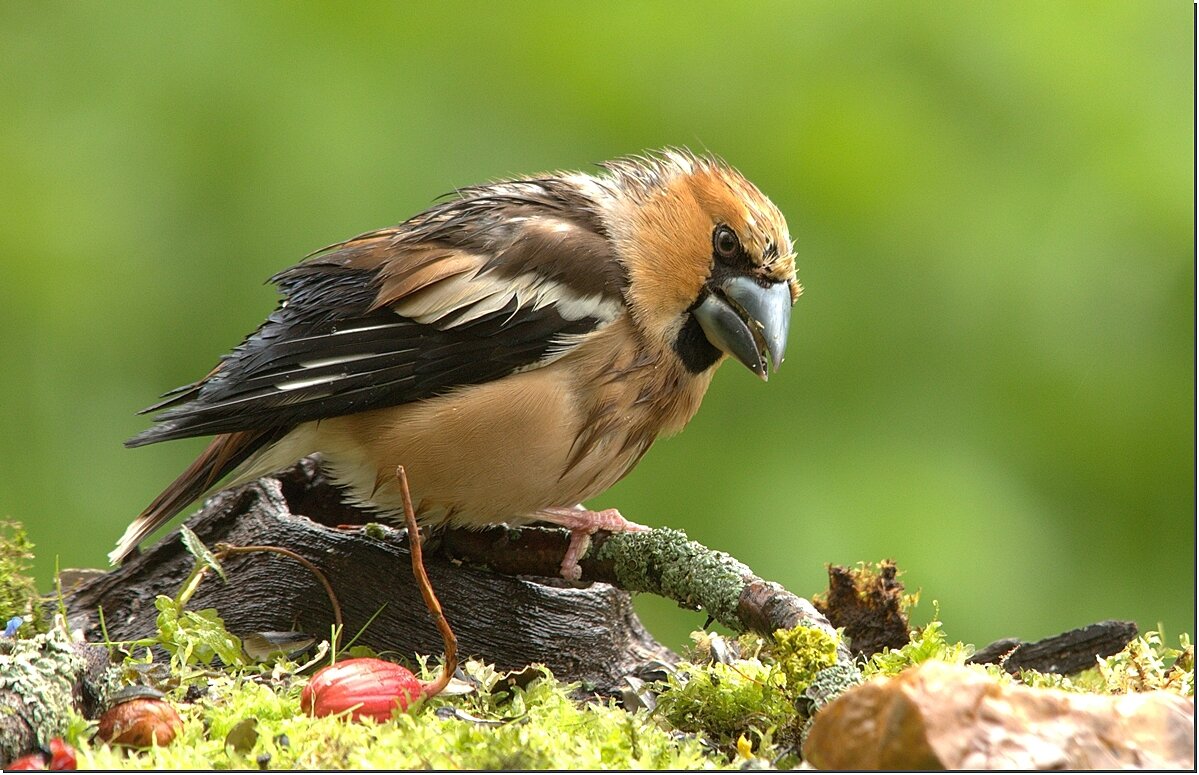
{"x": 225, "y": 453}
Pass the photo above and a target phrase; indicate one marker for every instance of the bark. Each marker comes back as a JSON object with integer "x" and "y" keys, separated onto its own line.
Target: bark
{"x": 1070, "y": 652}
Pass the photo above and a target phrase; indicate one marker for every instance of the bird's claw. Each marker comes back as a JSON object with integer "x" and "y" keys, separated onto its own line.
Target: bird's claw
{"x": 583, "y": 524}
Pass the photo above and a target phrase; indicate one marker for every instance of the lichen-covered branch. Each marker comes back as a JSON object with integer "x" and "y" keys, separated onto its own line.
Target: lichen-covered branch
{"x": 663, "y": 562}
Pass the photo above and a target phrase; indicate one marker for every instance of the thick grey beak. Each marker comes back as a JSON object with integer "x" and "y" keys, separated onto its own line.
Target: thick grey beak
{"x": 747, "y": 321}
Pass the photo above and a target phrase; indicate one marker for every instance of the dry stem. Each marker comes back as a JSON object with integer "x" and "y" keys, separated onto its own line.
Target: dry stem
{"x": 426, "y": 590}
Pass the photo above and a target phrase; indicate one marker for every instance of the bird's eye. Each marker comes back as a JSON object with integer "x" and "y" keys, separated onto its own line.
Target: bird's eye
{"x": 725, "y": 242}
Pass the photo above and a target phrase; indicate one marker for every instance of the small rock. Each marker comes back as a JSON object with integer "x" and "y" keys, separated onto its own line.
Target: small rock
{"x": 940, "y": 716}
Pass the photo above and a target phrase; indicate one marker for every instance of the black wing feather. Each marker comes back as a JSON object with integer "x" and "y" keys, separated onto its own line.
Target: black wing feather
{"x": 278, "y": 378}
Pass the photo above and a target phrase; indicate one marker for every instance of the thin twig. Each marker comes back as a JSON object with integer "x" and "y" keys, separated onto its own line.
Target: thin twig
{"x": 426, "y": 590}
{"x": 224, "y": 550}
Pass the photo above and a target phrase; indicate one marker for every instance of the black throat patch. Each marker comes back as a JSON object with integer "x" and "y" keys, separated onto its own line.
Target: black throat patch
{"x": 693, "y": 348}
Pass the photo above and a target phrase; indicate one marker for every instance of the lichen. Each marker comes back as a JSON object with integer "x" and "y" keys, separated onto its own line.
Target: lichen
{"x": 41, "y": 671}
{"x": 664, "y": 562}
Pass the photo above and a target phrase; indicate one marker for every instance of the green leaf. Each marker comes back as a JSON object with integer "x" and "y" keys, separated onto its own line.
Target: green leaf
{"x": 196, "y": 636}
{"x": 202, "y": 553}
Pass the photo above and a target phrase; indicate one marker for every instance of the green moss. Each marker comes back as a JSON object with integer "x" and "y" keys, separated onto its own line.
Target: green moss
{"x": 708, "y": 716}
{"x": 195, "y": 637}
{"x": 743, "y": 703}
{"x": 18, "y": 593}
{"x": 755, "y": 705}
{"x": 534, "y": 728}
{"x": 376, "y": 530}
{"x": 725, "y": 702}
{"x": 802, "y": 652}
{"x": 1145, "y": 664}
{"x": 929, "y": 642}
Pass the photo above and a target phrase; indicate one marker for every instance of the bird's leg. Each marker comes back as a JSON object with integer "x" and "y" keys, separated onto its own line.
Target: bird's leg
{"x": 582, "y": 524}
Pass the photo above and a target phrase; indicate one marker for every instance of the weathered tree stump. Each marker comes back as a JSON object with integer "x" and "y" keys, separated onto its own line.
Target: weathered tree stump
{"x": 588, "y": 633}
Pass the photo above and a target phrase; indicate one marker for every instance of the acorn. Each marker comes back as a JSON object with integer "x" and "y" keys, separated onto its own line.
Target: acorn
{"x": 140, "y": 723}
{"x": 366, "y": 687}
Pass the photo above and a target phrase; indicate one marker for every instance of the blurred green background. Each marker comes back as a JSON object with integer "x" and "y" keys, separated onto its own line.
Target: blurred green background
{"x": 991, "y": 376}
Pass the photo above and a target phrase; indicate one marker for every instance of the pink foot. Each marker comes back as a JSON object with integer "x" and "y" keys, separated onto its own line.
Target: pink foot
{"x": 583, "y": 524}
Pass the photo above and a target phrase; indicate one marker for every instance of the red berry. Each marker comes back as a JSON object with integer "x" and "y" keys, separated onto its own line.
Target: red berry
{"x": 366, "y": 687}
{"x": 30, "y": 761}
{"x": 62, "y": 756}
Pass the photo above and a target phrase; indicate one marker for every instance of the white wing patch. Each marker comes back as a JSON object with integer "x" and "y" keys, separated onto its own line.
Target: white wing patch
{"x": 461, "y": 298}
{"x": 359, "y": 329}
{"x": 296, "y": 384}
{"x": 316, "y": 363}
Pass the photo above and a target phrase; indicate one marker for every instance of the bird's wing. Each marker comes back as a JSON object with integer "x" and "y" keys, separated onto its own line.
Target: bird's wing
{"x": 467, "y": 292}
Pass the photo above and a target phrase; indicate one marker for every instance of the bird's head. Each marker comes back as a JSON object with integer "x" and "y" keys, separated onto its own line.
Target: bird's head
{"x": 710, "y": 263}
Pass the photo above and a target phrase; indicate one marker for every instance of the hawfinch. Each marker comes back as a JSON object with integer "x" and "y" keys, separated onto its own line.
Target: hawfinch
{"x": 517, "y": 347}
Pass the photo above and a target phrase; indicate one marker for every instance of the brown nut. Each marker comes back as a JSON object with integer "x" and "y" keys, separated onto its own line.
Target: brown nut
{"x": 140, "y": 723}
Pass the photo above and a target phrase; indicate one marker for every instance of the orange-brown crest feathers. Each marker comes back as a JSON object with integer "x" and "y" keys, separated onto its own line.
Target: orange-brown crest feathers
{"x": 664, "y": 229}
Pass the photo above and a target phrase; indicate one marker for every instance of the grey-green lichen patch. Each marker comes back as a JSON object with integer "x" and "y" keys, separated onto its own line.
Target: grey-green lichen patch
{"x": 828, "y": 684}
{"x": 41, "y": 671}
{"x": 666, "y": 563}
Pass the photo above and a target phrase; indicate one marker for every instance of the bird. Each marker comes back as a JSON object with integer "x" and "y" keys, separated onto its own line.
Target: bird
{"x": 517, "y": 347}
